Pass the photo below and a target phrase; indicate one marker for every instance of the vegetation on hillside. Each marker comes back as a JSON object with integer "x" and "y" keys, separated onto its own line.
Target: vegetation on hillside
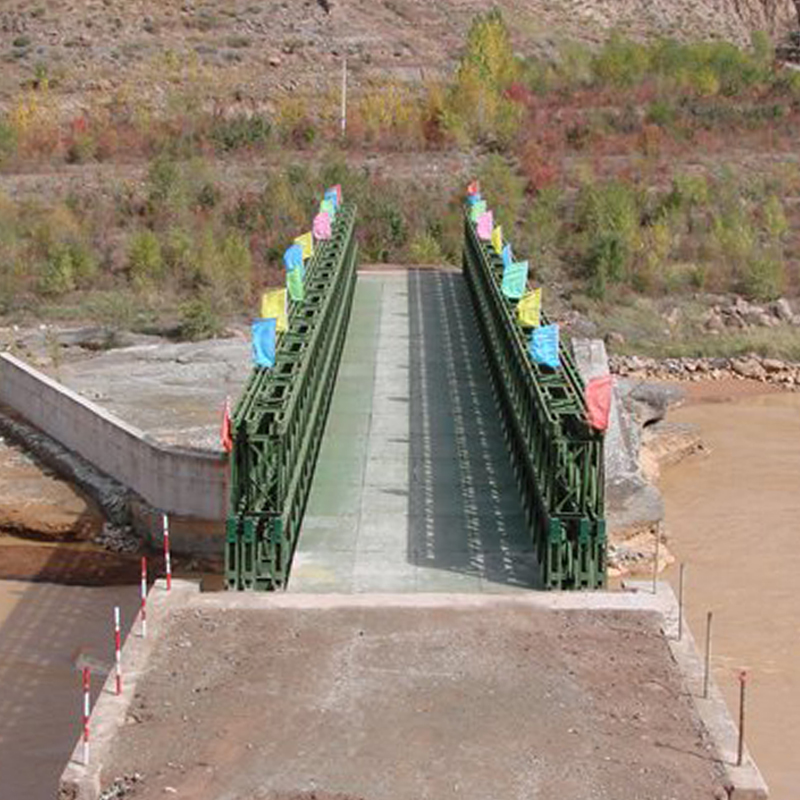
{"x": 594, "y": 163}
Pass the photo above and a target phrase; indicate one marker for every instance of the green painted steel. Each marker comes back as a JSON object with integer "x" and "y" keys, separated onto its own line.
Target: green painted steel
{"x": 557, "y": 456}
{"x": 278, "y": 423}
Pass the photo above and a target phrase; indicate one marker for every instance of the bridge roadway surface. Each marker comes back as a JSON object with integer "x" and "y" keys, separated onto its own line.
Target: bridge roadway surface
{"x": 413, "y": 489}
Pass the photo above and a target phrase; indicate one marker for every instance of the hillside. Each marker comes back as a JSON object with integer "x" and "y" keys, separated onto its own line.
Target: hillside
{"x": 92, "y": 50}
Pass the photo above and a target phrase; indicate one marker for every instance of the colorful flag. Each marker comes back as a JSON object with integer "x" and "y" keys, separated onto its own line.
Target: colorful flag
{"x": 477, "y": 210}
{"x": 338, "y": 189}
{"x": 474, "y": 198}
{"x": 515, "y": 279}
{"x": 484, "y": 226}
{"x": 598, "y": 402}
{"x": 473, "y": 187}
{"x": 273, "y": 306}
{"x": 226, "y": 431}
{"x": 263, "y": 331}
{"x": 306, "y": 241}
{"x": 333, "y": 196}
{"x": 327, "y": 206}
{"x": 508, "y": 258}
{"x": 497, "y": 239}
{"x": 293, "y": 257}
{"x": 322, "y": 226}
{"x": 529, "y": 309}
{"x": 543, "y": 347}
{"x": 294, "y": 283}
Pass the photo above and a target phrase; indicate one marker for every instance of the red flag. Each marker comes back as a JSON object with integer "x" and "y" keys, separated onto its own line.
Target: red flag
{"x": 226, "y": 433}
{"x": 473, "y": 187}
{"x": 598, "y": 402}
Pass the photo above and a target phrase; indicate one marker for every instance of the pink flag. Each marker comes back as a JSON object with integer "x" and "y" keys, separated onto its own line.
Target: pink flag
{"x": 322, "y": 226}
{"x": 598, "y": 402}
{"x": 485, "y": 226}
{"x": 226, "y": 431}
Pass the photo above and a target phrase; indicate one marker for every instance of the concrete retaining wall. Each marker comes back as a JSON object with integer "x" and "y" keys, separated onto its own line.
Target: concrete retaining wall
{"x": 186, "y": 483}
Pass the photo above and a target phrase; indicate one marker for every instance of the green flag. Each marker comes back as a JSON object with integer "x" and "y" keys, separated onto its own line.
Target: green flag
{"x": 294, "y": 283}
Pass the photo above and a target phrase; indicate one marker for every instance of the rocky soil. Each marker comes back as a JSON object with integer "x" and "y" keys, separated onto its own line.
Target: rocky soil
{"x": 247, "y": 50}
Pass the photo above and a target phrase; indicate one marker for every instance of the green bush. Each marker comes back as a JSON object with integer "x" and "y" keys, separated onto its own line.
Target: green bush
{"x": 425, "y": 249}
{"x": 145, "y": 260}
{"x": 239, "y": 132}
{"x": 764, "y": 277}
{"x": 621, "y": 62}
{"x": 202, "y": 317}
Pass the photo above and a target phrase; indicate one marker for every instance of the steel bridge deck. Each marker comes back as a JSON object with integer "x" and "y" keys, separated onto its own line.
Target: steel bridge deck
{"x": 413, "y": 489}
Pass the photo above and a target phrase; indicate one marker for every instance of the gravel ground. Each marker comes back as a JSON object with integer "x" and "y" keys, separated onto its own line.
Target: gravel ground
{"x": 380, "y": 703}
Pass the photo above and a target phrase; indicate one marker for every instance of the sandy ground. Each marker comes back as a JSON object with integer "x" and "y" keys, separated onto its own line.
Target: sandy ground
{"x": 396, "y": 703}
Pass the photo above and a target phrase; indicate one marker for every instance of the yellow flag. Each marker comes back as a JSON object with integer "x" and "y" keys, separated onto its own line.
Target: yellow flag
{"x": 273, "y": 306}
{"x": 529, "y": 309}
{"x": 306, "y": 241}
{"x": 497, "y": 239}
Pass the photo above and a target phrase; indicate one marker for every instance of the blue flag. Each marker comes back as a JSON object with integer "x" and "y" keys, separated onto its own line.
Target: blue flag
{"x": 543, "y": 346}
{"x": 515, "y": 280}
{"x": 333, "y": 196}
{"x": 474, "y": 198}
{"x": 508, "y": 258}
{"x": 293, "y": 257}
{"x": 263, "y": 332}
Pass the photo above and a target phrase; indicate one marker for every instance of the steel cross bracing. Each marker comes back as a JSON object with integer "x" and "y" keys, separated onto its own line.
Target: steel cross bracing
{"x": 279, "y": 420}
{"x": 558, "y": 457}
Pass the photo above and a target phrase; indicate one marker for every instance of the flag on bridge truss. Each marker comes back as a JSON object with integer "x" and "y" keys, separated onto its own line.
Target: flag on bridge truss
{"x": 294, "y": 283}
{"x": 338, "y": 189}
{"x": 263, "y": 336}
{"x": 508, "y": 257}
{"x": 273, "y": 306}
{"x": 328, "y": 207}
{"x": 515, "y": 280}
{"x": 474, "y": 187}
{"x": 484, "y": 226}
{"x": 226, "y": 431}
{"x": 293, "y": 257}
{"x": 477, "y": 210}
{"x": 598, "y": 402}
{"x": 543, "y": 346}
{"x": 306, "y": 241}
{"x": 497, "y": 239}
{"x": 322, "y": 226}
{"x": 333, "y": 196}
{"x": 529, "y": 309}
{"x": 472, "y": 199}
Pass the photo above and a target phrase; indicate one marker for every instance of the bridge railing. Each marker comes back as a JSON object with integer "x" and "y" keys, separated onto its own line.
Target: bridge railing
{"x": 278, "y": 423}
{"x": 557, "y": 456}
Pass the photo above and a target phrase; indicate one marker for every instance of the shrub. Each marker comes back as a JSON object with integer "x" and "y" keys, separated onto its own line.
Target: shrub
{"x": 236, "y": 133}
{"x": 764, "y": 277}
{"x": 425, "y": 249}
{"x": 504, "y": 188}
{"x": 621, "y": 62}
{"x": 145, "y": 260}
{"x": 202, "y": 317}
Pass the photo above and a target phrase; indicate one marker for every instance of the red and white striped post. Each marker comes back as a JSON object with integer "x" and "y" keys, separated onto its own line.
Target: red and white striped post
{"x": 117, "y": 651}
{"x": 86, "y": 701}
{"x": 144, "y": 596}
{"x": 167, "y": 562}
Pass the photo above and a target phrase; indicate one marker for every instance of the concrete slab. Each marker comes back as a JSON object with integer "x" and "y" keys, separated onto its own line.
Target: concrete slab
{"x": 534, "y": 695}
{"x": 414, "y": 453}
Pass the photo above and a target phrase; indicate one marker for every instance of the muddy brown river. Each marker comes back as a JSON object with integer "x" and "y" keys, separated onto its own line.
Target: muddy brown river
{"x": 45, "y": 631}
{"x": 733, "y": 517}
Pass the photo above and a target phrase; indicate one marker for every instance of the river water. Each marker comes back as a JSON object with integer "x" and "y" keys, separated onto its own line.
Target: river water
{"x": 45, "y": 632}
{"x": 733, "y": 517}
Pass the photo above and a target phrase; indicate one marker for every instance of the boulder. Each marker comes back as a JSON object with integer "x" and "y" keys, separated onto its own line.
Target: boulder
{"x": 748, "y": 368}
{"x": 773, "y": 365}
{"x": 782, "y": 310}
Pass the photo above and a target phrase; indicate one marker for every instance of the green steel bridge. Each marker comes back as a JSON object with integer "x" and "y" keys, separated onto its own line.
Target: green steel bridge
{"x": 405, "y": 440}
